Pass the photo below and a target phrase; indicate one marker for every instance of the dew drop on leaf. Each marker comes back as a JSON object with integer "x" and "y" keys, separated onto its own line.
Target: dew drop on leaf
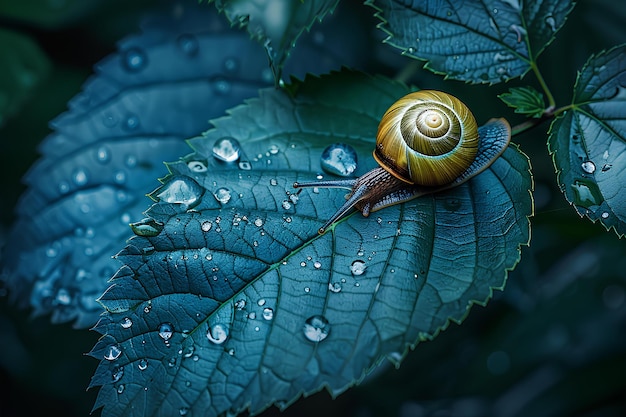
{"x": 147, "y": 227}
{"x": 166, "y": 330}
{"x": 286, "y": 204}
{"x": 80, "y": 177}
{"x": 358, "y": 267}
{"x": 112, "y": 352}
{"x": 117, "y": 374}
{"x": 120, "y": 388}
{"x": 336, "y": 287}
{"x": 182, "y": 190}
{"x": 605, "y": 215}
{"x": 218, "y": 333}
{"x": 103, "y": 155}
{"x": 589, "y": 167}
{"x": 142, "y": 365}
{"x": 197, "y": 166}
{"x": 316, "y": 328}
{"x": 268, "y": 313}
{"x": 261, "y": 302}
{"x": 126, "y": 323}
{"x": 339, "y": 159}
{"x": 134, "y": 60}
{"x": 222, "y": 195}
{"x": 227, "y": 149}
{"x": 183, "y": 411}
{"x": 188, "y": 44}
{"x": 206, "y": 226}
{"x": 231, "y": 65}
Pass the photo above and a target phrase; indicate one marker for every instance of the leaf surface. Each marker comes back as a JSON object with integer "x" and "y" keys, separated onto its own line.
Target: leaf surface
{"x": 261, "y": 308}
{"x": 108, "y": 150}
{"x": 588, "y": 143}
{"x": 276, "y": 24}
{"x": 478, "y": 41}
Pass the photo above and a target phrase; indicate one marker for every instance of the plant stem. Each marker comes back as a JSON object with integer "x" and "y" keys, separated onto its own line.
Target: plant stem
{"x": 544, "y": 86}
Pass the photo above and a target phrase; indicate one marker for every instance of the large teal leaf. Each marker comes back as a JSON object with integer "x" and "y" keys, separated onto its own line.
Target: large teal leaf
{"x": 107, "y": 151}
{"x": 588, "y": 142}
{"x": 276, "y": 24}
{"x": 229, "y": 299}
{"x": 478, "y": 41}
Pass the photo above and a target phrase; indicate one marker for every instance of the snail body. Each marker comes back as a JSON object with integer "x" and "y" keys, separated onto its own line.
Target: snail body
{"x": 427, "y": 141}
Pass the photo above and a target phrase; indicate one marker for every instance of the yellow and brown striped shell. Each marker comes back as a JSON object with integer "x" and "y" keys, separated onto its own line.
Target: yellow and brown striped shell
{"x": 427, "y": 137}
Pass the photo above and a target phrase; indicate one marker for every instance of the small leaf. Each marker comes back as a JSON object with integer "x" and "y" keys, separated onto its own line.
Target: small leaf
{"x": 262, "y": 308}
{"x": 588, "y": 142}
{"x": 486, "y": 41}
{"x": 24, "y": 66}
{"x": 525, "y": 100}
{"x": 108, "y": 149}
{"x": 277, "y": 25}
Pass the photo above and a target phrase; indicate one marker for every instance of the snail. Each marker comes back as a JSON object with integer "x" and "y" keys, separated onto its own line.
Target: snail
{"x": 427, "y": 141}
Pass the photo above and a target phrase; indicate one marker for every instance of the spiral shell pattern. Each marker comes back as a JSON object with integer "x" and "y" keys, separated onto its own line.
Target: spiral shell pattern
{"x": 427, "y": 138}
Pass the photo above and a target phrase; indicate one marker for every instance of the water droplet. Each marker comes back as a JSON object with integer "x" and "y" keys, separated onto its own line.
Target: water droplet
{"x": 131, "y": 161}
{"x": 222, "y": 195}
{"x": 188, "y": 352}
{"x": 268, "y": 313}
{"x": 134, "y": 59}
{"x": 112, "y": 352}
{"x": 117, "y": 374}
{"x": 80, "y": 177}
{"x": 183, "y": 411}
{"x": 132, "y": 122}
{"x": 605, "y": 215}
{"x": 252, "y": 315}
{"x": 589, "y": 167}
{"x": 258, "y": 222}
{"x": 244, "y": 165}
{"x": 551, "y": 22}
{"x": 221, "y": 86}
{"x": 336, "y": 287}
{"x": 240, "y": 304}
{"x": 142, "y": 365}
{"x": 147, "y": 227}
{"x": 103, "y": 155}
{"x": 64, "y": 187}
{"x": 587, "y": 193}
{"x": 339, "y": 159}
{"x": 120, "y": 388}
{"x": 218, "y": 333}
{"x": 188, "y": 44}
{"x": 126, "y": 323}
{"x": 273, "y": 181}
{"x": 181, "y": 189}
{"x": 231, "y": 65}
{"x": 261, "y": 302}
{"x": 166, "y": 330}
{"x": 317, "y": 264}
{"x": 227, "y": 149}
{"x": 307, "y": 290}
{"x": 358, "y": 267}
{"x": 197, "y": 166}
{"x": 273, "y": 149}
{"x": 316, "y": 328}
{"x": 206, "y": 226}
{"x": 286, "y": 204}
{"x": 606, "y": 167}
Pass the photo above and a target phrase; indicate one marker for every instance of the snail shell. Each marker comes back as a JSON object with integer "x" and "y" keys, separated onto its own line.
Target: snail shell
{"x": 427, "y": 137}
{"x": 427, "y": 141}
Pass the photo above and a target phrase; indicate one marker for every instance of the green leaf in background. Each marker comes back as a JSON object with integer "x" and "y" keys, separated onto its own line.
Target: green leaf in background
{"x": 485, "y": 41}
{"x": 276, "y": 24}
{"x": 525, "y": 100}
{"x": 228, "y": 298}
{"x": 588, "y": 143}
{"x": 23, "y": 66}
